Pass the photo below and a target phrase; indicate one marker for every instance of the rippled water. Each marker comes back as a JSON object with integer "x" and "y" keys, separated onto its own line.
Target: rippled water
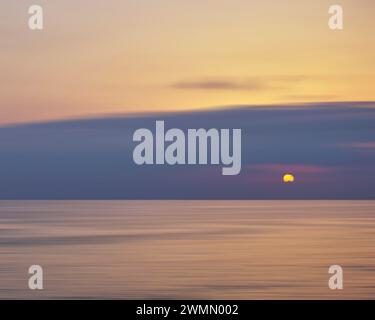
{"x": 187, "y": 249}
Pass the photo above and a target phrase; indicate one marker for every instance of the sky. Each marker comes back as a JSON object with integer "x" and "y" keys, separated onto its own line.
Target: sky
{"x": 134, "y": 56}
{"x": 303, "y": 95}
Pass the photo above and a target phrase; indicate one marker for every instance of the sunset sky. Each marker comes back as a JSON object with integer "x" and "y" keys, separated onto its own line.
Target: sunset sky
{"x": 101, "y": 57}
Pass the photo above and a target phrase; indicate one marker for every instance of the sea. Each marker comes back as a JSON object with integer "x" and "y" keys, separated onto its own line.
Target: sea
{"x": 187, "y": 249}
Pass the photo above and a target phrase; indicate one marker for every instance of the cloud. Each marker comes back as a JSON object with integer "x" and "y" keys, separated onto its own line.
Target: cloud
{"x": 306, "y": 97}
{"x": 248, "y": 84}
{"x": 321, "y": 144}
{"x": 293, "y": 168}
{"x": 360, "y": 145}
{"x": 219, "y": 85}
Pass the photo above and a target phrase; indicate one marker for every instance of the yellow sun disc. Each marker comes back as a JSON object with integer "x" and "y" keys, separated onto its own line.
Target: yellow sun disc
{"x": 288, "y": 178}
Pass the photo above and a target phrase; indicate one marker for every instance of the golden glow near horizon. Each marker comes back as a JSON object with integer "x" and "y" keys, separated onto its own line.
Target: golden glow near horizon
{"x": 167, "y": 55}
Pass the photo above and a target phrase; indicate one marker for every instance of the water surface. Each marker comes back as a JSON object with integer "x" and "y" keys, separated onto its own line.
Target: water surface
{"x": 187, "y": 249}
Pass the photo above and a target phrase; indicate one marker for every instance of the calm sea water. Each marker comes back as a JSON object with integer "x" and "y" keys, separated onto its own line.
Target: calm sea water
{"x": 187, "y": 249}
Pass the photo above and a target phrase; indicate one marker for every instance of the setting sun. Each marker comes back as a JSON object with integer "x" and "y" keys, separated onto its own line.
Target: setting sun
{"x": 288, "y": 178}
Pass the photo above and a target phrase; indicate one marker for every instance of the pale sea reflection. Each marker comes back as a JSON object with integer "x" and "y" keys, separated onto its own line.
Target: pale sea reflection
{"x": 187, "y": 249}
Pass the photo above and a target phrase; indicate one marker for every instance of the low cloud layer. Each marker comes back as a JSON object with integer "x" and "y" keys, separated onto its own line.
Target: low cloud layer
{"x": 329, "y": 147}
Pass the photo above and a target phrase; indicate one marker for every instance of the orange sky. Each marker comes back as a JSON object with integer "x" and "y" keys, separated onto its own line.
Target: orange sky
{"x": 159, "y": 55}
